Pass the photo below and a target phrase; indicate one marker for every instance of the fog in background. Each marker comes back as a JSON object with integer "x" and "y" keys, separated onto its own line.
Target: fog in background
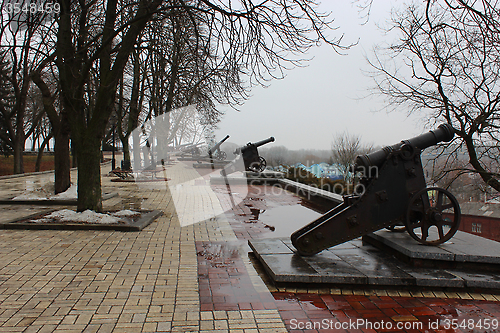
{"x": 312, "y": 104}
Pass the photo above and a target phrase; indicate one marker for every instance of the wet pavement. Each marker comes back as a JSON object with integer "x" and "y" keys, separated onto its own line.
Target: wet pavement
{"x": 196, "y": 278}
{"x": 359, "y": 263}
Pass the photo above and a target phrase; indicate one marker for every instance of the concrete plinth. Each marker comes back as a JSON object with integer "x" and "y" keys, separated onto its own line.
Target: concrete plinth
{"x": 359, "y": 263}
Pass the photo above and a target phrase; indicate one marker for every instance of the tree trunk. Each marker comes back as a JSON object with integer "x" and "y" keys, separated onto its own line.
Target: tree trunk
{"x": 126, "y": 153}
{"x": 73, "y": 153}
{"x": 62, "y": 166}
{"x": 89, "y": 174}
{"x": 18, "y": 154}
{"x": 40, "y": 152}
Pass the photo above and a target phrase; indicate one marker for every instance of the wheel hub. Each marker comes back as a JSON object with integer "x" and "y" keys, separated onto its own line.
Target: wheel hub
{"x": 435, "y": 216}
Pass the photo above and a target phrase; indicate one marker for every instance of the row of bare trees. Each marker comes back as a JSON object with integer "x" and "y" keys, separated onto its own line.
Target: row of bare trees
{"x": 119, "y": 63}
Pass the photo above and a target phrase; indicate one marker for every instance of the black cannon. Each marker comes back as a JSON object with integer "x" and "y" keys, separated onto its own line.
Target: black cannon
{"x": 391, "y": 191}
{"x": 251, "y": 158}
{"x": 252, "y": 161}
{"x": 215, "y": 151}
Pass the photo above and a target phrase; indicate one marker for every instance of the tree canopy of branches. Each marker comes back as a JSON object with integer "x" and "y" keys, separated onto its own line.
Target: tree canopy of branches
{"x": 445, "y": 65}
{"x": 97, "y": 38}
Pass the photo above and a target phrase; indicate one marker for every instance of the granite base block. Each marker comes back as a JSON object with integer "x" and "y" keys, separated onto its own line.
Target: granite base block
{"x": 360, "y": 263}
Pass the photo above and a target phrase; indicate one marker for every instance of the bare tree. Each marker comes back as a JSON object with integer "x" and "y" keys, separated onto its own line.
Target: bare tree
{"x": 345, "y": 148}
{"x": 20, "y": 36}
{"x": 445, "y": 65}
{"x": 263, "y": 38}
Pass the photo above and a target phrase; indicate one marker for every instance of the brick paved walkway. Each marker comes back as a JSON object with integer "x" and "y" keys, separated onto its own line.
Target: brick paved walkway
{"x": 165, "y": 278}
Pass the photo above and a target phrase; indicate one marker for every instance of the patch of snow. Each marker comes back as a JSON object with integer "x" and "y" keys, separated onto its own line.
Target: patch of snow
{"x": 70, "y": 193}
{"x": 33, "y": 195}
{"x": 126, "y": 212}
{"x": 70, "y": 216}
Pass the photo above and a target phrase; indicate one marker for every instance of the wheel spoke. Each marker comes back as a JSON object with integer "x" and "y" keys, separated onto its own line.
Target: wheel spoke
{"x": 447, "y": 206}
{"x": 425, "y": 232}
{"x": 440, "y": 231}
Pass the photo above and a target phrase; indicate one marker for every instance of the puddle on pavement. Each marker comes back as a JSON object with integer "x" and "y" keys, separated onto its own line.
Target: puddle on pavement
{"x": 270, "y": 214}
{"x": 305, "y": 304}
{"x": 219, "y": 255}
{"x": 282, "y": 221}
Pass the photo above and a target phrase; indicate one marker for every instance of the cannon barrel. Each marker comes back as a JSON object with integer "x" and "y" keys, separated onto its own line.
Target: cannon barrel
{"x": 263, "y": 142}
{"x": 443, "y": 133}
{"x": 256, "y": 144}
{"x": 214, "y": 148}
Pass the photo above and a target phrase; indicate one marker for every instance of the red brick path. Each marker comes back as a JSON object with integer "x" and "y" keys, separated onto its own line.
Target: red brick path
{"x": 307, "y": 310}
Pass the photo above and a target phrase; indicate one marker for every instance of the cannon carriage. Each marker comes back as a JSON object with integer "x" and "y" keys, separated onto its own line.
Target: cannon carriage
{"x": 252, "y": 161}
{"x": 250, "y": 154}
{"x": 391, "y": 191}
{"x": 216, "y": 153}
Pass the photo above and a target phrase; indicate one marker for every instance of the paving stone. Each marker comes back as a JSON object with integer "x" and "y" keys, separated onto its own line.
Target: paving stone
{"x": 477, "y": 280}
{"x": 269, "y": 246}
{"x": 402, "y": 242}
{"x": 152, "y": 281}
{"x": 427, "y": 277}
{"x": 289, "y": 268}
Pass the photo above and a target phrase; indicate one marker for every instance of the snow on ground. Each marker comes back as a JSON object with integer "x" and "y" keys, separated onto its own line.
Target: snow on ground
{"x": 126, "y": 212}
{"x": 88, "y": 216}
{"x": 47, "y": 193}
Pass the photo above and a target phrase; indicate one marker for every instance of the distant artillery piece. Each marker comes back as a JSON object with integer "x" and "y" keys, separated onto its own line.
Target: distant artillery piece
{"x": 251, "y": 158}
{"x": 191, "y": 149}
{"x": 216, "y": 152}
{"x": 395, "y": 193}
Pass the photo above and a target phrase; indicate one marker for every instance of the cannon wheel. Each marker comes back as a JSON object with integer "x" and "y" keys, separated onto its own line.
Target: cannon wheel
{"x": 258, "y": 166}
{"x": 433, "y": 209}
{"x": 221, "y": 156}
{"x": 262, "y": 164}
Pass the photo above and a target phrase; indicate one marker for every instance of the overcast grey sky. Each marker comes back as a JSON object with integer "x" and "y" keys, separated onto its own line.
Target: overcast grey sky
{"x": 312, "y": 104}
